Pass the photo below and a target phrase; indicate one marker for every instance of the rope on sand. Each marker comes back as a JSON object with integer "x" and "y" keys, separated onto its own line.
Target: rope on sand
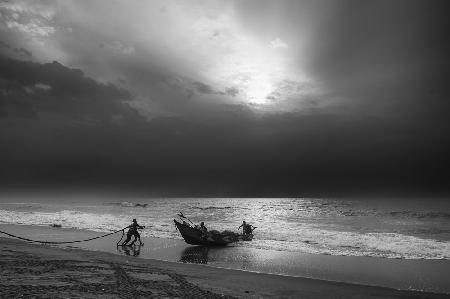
{"x": 65, "y": 242}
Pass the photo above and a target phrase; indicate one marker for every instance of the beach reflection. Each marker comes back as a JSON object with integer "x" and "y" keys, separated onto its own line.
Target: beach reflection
{"x": 134, "y": 250}
{"x": 195, "y": 255}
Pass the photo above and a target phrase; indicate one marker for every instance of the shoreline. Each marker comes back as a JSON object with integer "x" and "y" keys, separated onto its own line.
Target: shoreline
{"x": 92, "y": 273}
{"x": 418, "y": 275}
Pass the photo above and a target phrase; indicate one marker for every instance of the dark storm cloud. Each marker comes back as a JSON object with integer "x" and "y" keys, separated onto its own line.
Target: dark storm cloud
{"x": 389, "y": 61}
{"x": 394, "y": 48}
{"x": 21, "y": 52}
{"x": 232, "y": 91}
{"x": 233, "y": 151}
{"x": 207, "y": 89}
{"x": 203, "y": 88}
{"x": 379, "y": 123}
{"x": 5, "y": 45}
{"x": 54, "y": 88}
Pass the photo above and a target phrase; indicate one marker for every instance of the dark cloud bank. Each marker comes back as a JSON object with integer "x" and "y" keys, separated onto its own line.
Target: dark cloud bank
{"x": 383, "y": 130}
{"x": 61, "y": 129}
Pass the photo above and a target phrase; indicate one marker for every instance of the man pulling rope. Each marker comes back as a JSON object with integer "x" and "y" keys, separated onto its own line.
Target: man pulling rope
{"x": 133, "y": 231}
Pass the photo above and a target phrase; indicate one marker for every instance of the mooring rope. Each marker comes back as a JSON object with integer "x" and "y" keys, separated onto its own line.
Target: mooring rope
{"x": 123, "y": 232}
{"x": 65, "y": 242}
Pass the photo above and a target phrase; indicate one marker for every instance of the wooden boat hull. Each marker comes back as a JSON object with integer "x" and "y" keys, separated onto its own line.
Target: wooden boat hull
{"x": 193, "y": 236}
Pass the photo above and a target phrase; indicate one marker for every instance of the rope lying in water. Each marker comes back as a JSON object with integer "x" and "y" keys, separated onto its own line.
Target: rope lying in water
{"x": 65, "y": 242}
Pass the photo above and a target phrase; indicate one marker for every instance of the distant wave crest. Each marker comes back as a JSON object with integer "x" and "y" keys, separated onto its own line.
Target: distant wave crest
{"x": 127, "y": 204}
{"x": 416, "y": 214}
{"x": 409, "y": 214}
{"x": 211, "y": 208}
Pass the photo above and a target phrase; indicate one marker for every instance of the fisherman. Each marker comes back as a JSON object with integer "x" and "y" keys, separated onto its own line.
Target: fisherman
{"x": 133, "y": 231}
{"x": 247, "y": 229}
{"x": 203, "y": 230}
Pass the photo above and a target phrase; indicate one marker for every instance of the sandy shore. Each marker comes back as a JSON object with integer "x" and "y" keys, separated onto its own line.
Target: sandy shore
{"x": 420, "y": 275}
{"x": 37, "y": 271}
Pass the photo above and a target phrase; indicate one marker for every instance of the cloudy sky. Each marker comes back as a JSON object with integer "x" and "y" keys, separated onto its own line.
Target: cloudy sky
{"x": 225, "y": 98}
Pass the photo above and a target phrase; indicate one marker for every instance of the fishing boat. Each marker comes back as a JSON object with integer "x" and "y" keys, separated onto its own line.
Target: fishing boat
{"x": 193, "y": 235}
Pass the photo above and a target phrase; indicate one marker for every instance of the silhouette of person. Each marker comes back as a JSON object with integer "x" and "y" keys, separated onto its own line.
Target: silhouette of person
{"x": 247, "y": 229}
{"x": 133, "y": 231}
{"x": 203, "y": 230}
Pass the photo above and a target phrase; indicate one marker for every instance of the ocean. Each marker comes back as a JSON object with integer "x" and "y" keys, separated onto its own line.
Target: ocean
{"x": 391, "y": 229}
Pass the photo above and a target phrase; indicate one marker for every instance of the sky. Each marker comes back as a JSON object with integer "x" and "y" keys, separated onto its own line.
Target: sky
{"x": 225, "y": 98}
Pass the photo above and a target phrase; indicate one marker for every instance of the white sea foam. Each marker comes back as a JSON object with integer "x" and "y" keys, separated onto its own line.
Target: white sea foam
{"x": 67, "y": 218}
{"x": 310, "y": 226}
{"x": 388, "y": 245}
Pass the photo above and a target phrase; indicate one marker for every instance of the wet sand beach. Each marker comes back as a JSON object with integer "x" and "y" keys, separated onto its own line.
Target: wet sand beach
{"x": 41, "y": 271}
{"x": 403, "y": 274}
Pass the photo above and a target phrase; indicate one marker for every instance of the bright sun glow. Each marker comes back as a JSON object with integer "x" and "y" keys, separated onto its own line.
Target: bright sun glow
{"x": 260, "y": 71}
{"x": 258, "y": 88}
{"x": 255, "y": 76}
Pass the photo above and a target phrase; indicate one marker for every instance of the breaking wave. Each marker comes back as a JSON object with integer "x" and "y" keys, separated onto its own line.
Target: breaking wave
{"x": 211, "y": 208}
{"x": 420, "y": 215}
{"x": 128, "y": 204}
{"x": 310, "y": 226}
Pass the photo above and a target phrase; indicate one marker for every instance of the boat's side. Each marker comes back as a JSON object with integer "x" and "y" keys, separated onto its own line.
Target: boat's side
{"x": 194, "y": 236}
{"x": 247, "y": 237}
{"x": 190, "y": 235}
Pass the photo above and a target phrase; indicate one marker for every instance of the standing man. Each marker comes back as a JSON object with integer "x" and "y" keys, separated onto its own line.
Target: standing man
{"x": 203, "y": 230}
{"x": 247, "y": 229}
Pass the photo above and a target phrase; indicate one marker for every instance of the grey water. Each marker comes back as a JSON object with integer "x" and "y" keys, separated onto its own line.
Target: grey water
{"x": 405, "y": 229}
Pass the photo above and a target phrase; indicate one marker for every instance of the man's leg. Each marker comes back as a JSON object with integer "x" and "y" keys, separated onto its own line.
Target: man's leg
{"x": 135, "y": 235}
{"x": 127, "y": 240}
{"x": 139, "y": 238}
